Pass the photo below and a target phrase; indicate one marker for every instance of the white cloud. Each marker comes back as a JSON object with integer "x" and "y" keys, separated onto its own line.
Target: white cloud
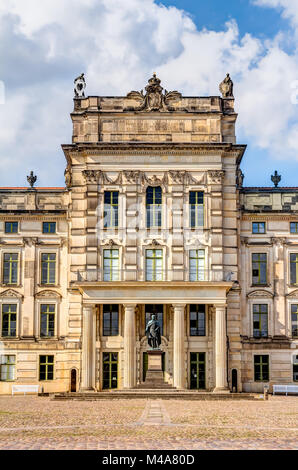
{"x": 44, "y": 45}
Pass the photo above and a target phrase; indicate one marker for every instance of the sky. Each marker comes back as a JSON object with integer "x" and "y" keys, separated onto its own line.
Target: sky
{"x": 190, "y": 44}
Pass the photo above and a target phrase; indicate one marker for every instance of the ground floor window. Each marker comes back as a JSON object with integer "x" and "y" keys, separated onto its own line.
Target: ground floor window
{"x": 110, "y": 370}
{"x": 261, "y": 368}
{"x": 197, "y": 370}
{"x": 7, "y": 368}
{"x": 46, "y": 367}
{"x": 154, "y": 310}
{"x": 295, "y": 368}
{"x": 294, "y": 318}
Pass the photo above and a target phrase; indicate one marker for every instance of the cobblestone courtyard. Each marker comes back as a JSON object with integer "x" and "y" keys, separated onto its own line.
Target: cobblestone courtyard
{"x": 41, "y": 423}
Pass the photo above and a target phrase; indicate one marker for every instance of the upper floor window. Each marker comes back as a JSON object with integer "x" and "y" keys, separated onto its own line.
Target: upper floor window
{"x": 154, "y": 265}
{"x": 258, "y": 227}
{"x": 259, "y": 268}
{"x": 196, "y": 265}
{"x": 111, "y": 265}
{"x": 9, "y": 320}
{"x": 260, "y": 320}
{"x": 7, "y": 367}
{"x": 47, "y": 320}
{"x": 49, "y": 227}
{"x": 295, "y": 368}
{"x": 294, "y": 227}
{"x": 110, "y": 215}
{"x": 157, "y": 310}
{"x": 196, "y": 205}
{"x": 10, "y": 268}
{"x": 294, "y": 318}
{"x": 110, "y": 320}
{"x": 48, "y": 268}
{"x": 261, "y": 368}
{"x": 294, "y": 268}
{"x": 153, "y": 206}
{"x": 46, "y": 367}
{"x": 197, "y": 319}
{"x": 11, "y": 227}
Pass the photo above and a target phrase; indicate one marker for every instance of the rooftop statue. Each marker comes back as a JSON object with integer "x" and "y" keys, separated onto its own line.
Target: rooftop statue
{"x": 79, "y": 86}
{"x": 226, "y": 87}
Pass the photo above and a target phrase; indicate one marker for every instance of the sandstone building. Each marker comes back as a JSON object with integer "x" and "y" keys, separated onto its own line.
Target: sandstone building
{"x": 153, "y": 218}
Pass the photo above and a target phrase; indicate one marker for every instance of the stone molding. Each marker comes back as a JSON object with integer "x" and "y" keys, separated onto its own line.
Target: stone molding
{"x": 264, "y": 294}
{"x": 216, "y": 176}
{"x": 11, "y": 293}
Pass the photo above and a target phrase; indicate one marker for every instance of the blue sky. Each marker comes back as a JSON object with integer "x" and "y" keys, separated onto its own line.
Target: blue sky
{"x": 190, "y": 44}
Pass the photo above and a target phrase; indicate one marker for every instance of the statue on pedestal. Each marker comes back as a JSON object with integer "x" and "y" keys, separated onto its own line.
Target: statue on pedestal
{"x": 226, "y": 87}
{"x": 153, "y": 332}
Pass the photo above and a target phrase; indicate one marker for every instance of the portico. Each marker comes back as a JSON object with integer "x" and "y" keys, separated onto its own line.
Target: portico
{"x": 177, "y": 344}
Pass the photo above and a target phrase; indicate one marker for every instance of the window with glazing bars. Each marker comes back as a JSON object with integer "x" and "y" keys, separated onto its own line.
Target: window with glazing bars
{"x": 294, "y": 318}
{"x": 46, "y": 367}
{"x": 153, "y": 206}
{"x": 111, "y": 265}
{"x": 154, "y": 265}
{"x": 258, "y": 227}
{"x": 47, "y": 320}
{"x": 197, "y": 319}
{"x": 110, "y": 320}
{"x": 259, "y": 268}
{"x": 260, "y": 320}
{"x": 111, "y": 209}
{"x": 196, "y": 206}
{"x": 49, "y": 227}
{"x": 196, "y": 265}
{"x": 110, "y": 370}
{"x": 294, "y": 227}
{"x": 7, "y": 368}
{"x": 261, "y": 368}
{"x": 294, "y": 268}
{"x": 11, "y": 227}
{"x": 10, "y": 269}
{"x": 9, "y": 320}
{"x": 48, "y": 268}
{"x": 295, "y": 368}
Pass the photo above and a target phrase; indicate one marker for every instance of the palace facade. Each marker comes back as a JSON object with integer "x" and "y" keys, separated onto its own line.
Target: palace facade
{"x": 154, "y": 218}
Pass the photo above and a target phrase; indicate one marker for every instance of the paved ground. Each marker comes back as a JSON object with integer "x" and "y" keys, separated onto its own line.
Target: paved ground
{"x": 40, "y": 423}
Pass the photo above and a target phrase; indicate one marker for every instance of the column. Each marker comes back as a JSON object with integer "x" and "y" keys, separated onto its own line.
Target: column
{"x": 88, "y": 348}
{"x": 220, "y": 349}
{"x": 129, "y": 346}
{"x": 178, "y": 349}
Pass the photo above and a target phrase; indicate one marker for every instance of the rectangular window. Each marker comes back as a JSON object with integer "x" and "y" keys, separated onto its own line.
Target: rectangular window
{"x": 111, "y": 200}
{"x": 110, "y": 370}
{"x": 47, "y": 320}
{"x": 48, "y": 268}
{"x": 10, "y": 269}
{"x": 260, "y": 320}
{"x": 294, "y": 268}
{"x": 111, "y": 265}
{"x": 258, "y": 227}
{"x": 196, "y": 209}
{"x": 197, "y": 319}
{"x": 261, "y": 368}
{"x": 259, "y": 268}
{"x": 46, "y": 367}
{"x": 11, "y": 227}
{"x": 294, "y": 318}
{"x": 110, "y": 320}
{"x": 197, "y": 370}
{"x": 7, "y": 368}
{"x": 49, "y": 227}
{"x": 154, "y": 309}
{"x": 295, "y": 368}
{"x": 154, "y": 264}
{"x": 153, "y": 206}
{"x": 196, "y": 265}
{"x": 294, "y": 227}
{"x": 9, "y": 320}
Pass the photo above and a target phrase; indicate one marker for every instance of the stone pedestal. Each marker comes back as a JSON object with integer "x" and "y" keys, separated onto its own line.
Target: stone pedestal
{"x": 155, "y": 360}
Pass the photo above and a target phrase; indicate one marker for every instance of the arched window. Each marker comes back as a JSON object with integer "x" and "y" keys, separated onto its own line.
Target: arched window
{"x": 153, "y": 206}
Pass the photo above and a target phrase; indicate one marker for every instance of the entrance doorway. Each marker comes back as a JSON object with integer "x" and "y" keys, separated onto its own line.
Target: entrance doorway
{"x": 198, "y": 370}
{"x": 234, "y": 381}
{"x": 110, "y": 370}
{"x": 73, "y": 380}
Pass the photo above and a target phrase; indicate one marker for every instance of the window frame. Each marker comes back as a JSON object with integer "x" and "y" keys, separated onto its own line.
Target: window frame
{"x": 110, "y": 362}
{"x": 18, "y": 262}
{"x": 111, "y": 270}
{"x": 296, "y": 271}
{"x": 11, "y": 224}
{"x": 154, "y": 271}
{"x": 197, "y": 258}
{"x": 296, "y": 227}
{"x": 111, "y": 213}
{"x": 196, "y": 205}
{"x": 197, "y": 320}
{"x": 49, "y": 224}
{"x": 49, "y": 253}
{"x": 261, "y": 367}
{"x": 46, "y": 364}
{"x": 260, "y": 314}
{"x": 258, "y": 232}
{"x": 50, "y": 304}
{"x": 111, "y": 320}
{"x": 8, "y": 364}
{"x": 294, "y": 363}
{"x": 259, "y": 262}
{"x": 155, "y": 209}
{"x": 9, "y": 314}
{"x": 293, "y": 304}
